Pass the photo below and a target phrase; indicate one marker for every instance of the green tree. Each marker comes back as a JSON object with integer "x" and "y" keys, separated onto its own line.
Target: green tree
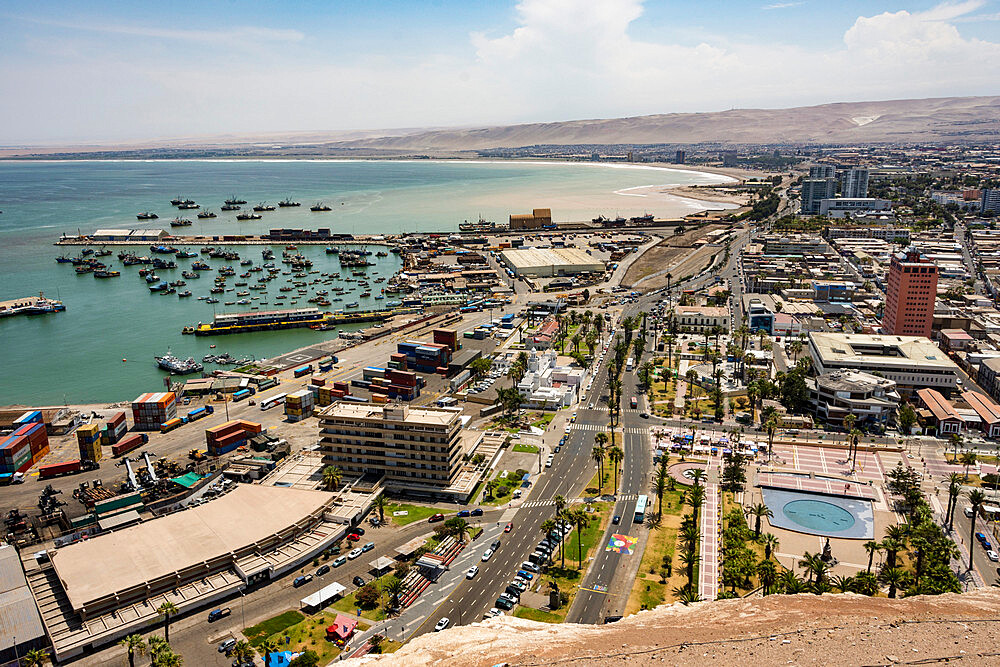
{"x": 457, "y": 527}
{"x": 134, "y": 646}
{"x": 36, "y": 657}
{"x": 907, "y": 418}
{"x": 872, "y": 547}
{"x": 167, "y": 609}
{"x": 580, "y": 518}
{"x": 976, "y": 500}
{"x": 376, "y": 642}
{"x": 308, "y": 658}
{"x": 968, "y": 459}
{"x": 616, "y": 456}
{"x": 893, "y": 577}
{"x": 771, "y": 543}
{"x": 267, "y": 647}
{"x": 379, "y": 503}
{"x": 480, "y": 367}
{"x": 332, "y": 476}
{"x": 767, "y": 574}
{"x": 393, "y": 587}
{"x": 759, "y": 511}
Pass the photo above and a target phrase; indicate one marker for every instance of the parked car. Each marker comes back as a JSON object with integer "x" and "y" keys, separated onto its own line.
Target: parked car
{"x": 992, "y": 555}
{"x": 463, "y": 513}
{"x": 359, "y": 530}
{"x": 477, "y": 512}
{"x": 302, "y": 581}
{"x": 216, "y": 614}
{"x": 322, "y": 569}
{"x": 442, "y": 624}
{"x": 529, "y": 566}
{"x": 524, "y": 574}
{"x": 473, "y": 571}
{"x": 227, "y": 645}
{"x": 368, "y": 546}
{"x": 436, "y": 518}
{"x": 358, "y": 581}
{"x": 340, "y": 561}
{"x": 354, "y": 554}
{"x": 353, "y": 537}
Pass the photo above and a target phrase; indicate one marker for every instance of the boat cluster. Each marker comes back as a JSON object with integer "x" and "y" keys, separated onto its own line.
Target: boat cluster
{"x": 231, "y": 204}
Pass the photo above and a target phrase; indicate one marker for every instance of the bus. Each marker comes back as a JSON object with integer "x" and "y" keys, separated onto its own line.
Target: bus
{"x": 272, "y": 401}
{"x": 628, "y": 365}
{"x": 635, "y": 403}
{"x": 640, "y": 509}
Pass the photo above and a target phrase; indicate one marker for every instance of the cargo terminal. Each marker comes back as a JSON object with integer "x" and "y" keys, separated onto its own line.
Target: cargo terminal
{"x": 191, "y": 558}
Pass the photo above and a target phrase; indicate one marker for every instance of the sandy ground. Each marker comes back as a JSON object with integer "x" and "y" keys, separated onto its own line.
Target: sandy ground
{"x": 779, "y": 629}
{"x": 665, "y": 255}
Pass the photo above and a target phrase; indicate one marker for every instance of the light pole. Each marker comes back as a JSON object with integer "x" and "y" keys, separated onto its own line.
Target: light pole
{"x": 243, "y": 614}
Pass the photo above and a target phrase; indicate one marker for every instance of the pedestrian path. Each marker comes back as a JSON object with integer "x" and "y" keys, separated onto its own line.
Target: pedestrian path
{"x": 708, "y": 573}
{"x": 545, "y": 503}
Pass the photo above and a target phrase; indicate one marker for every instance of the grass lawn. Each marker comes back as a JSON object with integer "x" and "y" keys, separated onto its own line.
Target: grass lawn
{"x": 349, "y": 605}
{"x": 256, "y": 634}
{"x": 538, "y": 615}
{"x": 502, "y": 493}
{"x": 648, "y": 591}
{"x": 414, "y": 513}
{"x": 530, "y": 449}
{"x": 592, "y": 488}
{"x": 310, "y": 635}
{"x": 542, "y": 420}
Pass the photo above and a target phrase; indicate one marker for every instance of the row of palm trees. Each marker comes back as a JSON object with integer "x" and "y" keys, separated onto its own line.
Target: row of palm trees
{"x": 158, "y": 649}
{"x": 600, "y": 452}
{"x": 578, "y": 518}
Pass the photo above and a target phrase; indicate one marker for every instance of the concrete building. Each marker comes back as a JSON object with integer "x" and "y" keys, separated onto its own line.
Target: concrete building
{"x": 132, "y": 235}
{"x": 842, "y": 207}
{"x": 679, "y": 157}
{"x": 548, "y": 384}
{"x": 988, "y": 411}
{"x": 910, "y": 295}
{"x": 912, "y": 362}
{"x": 870, "y": 398}
{"x": 886, "y": 233}
{"x": 989, "y": 377}
{"x": 815, "y": 190}
{"x": 21, "y": 628}
{"x": 416, "y": 450}
{"x": 702, "y": 318}
{"x": 822, "y": 171}
{"x": 548, "y": 262}
{"x": 943, "y": 415}
{"x": 103, "y": 588}
{"x": 989, "y": 201}
{"x": 854, "y": 183}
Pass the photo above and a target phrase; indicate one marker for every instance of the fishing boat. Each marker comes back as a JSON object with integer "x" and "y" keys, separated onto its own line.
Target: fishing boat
{"x": 103, "y": 252}
{"x": 204, "y": 215}
{"x": 158, "y": 286}
{"x": 285, "y": 203}
{"x": 189, "y": 205}
{"x": 177, "y": 366}
{"x": 267, "y": 253}
{"x": 63, "y": 259}
{"x": 107, "y": 274}
{"x": 146, "y": 215}
{"x": 320, "y": 207}
{"x": 263, "y": 206}
{"x": 234, "y": 201}
{"x": 200, "y": 266}
{"x": 245, "y": 215}
{"x": 230, "y": 207}
{"x": 180, "y": 222}
{"x": 183, "y": 294}
{"x": 177, "y": 283}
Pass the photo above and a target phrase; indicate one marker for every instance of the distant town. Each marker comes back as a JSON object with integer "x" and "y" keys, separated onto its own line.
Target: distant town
{"x": 564, "y": 422}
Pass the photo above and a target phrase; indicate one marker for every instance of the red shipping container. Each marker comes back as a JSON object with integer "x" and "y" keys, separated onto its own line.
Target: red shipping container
{"x": 117, "y": 419}
{"x": 318, "y": 381}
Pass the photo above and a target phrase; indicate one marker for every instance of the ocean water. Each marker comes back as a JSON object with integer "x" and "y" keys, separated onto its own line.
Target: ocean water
{"x": 77, "y": 356}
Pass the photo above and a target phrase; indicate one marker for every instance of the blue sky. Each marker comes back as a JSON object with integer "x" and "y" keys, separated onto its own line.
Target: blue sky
{"x": 125, "y": 71}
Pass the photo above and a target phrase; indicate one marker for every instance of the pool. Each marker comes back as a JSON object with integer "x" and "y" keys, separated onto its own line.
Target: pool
{"x": 815, "y": 514}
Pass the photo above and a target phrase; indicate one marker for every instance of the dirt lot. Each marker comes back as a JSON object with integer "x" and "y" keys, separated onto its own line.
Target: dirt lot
{"x": 667, "y": 254}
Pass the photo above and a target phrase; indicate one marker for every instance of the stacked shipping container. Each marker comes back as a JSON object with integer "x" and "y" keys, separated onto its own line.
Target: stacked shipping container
{"x": 115, "y": 429}
{"x": 226, "y": 437}
{"x": 26, "y": 445}
{"x": 299, "y": 405}
{"x": 447, "y": 337}
{"x": 327, "y": 394}
{"x": 89, "y": 438}
{"x": 425, "y": 357}
{"x": 151, "y": 410}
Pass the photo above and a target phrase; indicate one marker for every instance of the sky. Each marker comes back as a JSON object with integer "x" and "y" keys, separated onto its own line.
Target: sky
{"x": 107, "y": 71}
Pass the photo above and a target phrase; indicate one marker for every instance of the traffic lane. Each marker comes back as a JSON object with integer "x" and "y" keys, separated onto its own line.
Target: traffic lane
{"x": 987, "y": 569}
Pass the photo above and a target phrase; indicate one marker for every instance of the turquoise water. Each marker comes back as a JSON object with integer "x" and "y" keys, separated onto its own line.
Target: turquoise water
{"x": 76, "y": 356}
{"x": 818, "y": 515}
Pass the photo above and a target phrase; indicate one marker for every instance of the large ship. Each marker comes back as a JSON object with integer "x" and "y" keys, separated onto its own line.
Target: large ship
{"x": 178, "y": 366}
{"x": 287, "y": 202}
{"x": 481, "y": 226}
{"x": 228, "y": 323}
{"x": 31, "y": 306}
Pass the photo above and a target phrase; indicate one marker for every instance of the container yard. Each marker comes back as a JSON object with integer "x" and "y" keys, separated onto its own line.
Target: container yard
{"x": 25, "y": 446}
{"x": 299, "y": 405}
{"x": 226, "y": 437}
{"x": 88, "y": 437}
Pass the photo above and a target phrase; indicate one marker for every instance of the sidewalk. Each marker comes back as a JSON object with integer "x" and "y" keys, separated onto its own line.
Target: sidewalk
{"x": 708, "y": 572}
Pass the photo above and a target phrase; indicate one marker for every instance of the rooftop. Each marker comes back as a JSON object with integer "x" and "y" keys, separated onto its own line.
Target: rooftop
{"x": 937, "y": 404}
{"x": 549, "y": 256}
{"x": 405, "y": 413}
{"x": 885, "y": 349}
{"x": 157, "y": 548}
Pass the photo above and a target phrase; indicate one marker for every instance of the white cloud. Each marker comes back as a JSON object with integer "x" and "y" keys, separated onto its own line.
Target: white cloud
{"x": 783, "y": 5}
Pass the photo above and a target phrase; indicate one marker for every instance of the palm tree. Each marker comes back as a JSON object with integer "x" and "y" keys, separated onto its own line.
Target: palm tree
{"x": 872, "y": 547}
{"x": 134, "y": 645}
{"x": 759, "y": 511}
{"x": 169, "y": 659}
{"x": 331, "y": 477}
{"x": 771, "y": 427}
{"x": 581, "y": 519}
{"x": 268, "y": 647}
{"x": 393, "y": 587}
{"x": 157, "y": 647}
{"x": 242, "y": 651}
{"x": 841, "y": 584}
{"x": 547, "y": 527}
{"x": 659, "y": 488}
{"x": 167, "y": 609}
{"x": 379, "y": 503}
{"x": 491, "y": 485}
{"x": 687, "y": 595}
{"x": 767, "y": 574}
{"x": 376, "y": 642}
{"x": 36, "y": 657}
{"x": 616, "y": 456}
{"x": 791, "y": 584}
{"x": 689, "y": 556}
{"x": 597, "y": 453}
{"x": 893, "y": 577}
{"x": 976, "y": 499}
{"x": 967, "y": 459}
{"x": 954, "y": 489}
{"x": 771, "y": 543}
{"x": 811, "y": 563}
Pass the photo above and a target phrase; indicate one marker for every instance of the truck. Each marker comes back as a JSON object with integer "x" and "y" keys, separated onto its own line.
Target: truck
{"x": 65, "y": 468}
{"x": 128, "y": 443}
{"x": 11, "y": 478}
{"x": 171, "y": 424}
{"x": 303, "y": 370}
{"x": 198, "y": 413}
{"x": 635, "y": 402}
{"x": 241, "y": 394}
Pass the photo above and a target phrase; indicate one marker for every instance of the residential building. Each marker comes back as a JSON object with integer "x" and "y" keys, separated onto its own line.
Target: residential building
{"x": 910, "y": 295}
{"x": 702, "y": 318}
{"x": 886, "y": 233}
{"x": 842, "y": 207}
{"x": 988, "y": 411}
{"x": 943, "y": 415}
{"x": 870, "y": 398}
{"x": 679, "y": 157}
{"x": 989, "y": 376}
{"x": 415, "y": 449}
{"x": 729, "y": 159}
{"x": 547, "y": 384}
{"x": 759, "y": 316}
{"x": 989, "y": 201}
{"x": 822, "y": 171}
{"x": 854, "y": 183}
{"x": 912, "y": 362}
{"x": 815, "y": 190}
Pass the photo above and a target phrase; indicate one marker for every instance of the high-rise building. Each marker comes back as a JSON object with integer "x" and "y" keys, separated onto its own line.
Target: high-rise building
{"x": 822, "y": 171}
{"x": 418, "y": 450}
{"x": 815, "y": 190}
{"x": 854, "y": 183}
{"x": 909, "y": 299}
{"x": 679, "y": 158}
{"x": 729, "y": 158}
{"x": 989, "y": 201}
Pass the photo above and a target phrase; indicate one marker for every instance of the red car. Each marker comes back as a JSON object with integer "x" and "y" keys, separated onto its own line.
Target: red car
{"x": 509, "y": 527}
{"x": 436, "y": 518}
{"x": 353, "y": 537}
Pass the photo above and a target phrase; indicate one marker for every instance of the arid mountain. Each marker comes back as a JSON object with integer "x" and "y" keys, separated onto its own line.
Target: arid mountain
{"x": 941, "y": 120}
{"x": 801, "y": 629}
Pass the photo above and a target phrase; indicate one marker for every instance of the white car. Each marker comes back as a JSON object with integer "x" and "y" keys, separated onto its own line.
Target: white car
{"x": 493, "y": 612}
{"x": 354, "y": 554}
{"x": 487, "y": 555}
{"x": 442, "y": 624}
{"x": 473, "y": 571}
{"x": 992, "y": 555}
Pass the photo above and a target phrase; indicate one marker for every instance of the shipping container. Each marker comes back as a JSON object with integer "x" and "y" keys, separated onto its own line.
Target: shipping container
{"x": 128, "y": 443}
{"x": 302, "y": 370}
{"x": 56, "y": 469}
{"x": 240, "y": 395}
{"x": 170, "y": 425}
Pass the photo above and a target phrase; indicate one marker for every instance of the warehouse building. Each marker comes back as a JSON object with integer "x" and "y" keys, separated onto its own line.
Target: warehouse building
{"x": 537, "y": 219}
{"x": 548, "y": 262}
{"x": 191, "y": 558}
{"x": 130, "y": 235}
{"x": 21, "y": 627}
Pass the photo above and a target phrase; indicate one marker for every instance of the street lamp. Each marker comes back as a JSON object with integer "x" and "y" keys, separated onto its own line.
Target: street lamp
{"x": 243, "y": 609}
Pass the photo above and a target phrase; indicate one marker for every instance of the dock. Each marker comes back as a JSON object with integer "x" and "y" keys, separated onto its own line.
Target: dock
{"x": 30, "y": 305}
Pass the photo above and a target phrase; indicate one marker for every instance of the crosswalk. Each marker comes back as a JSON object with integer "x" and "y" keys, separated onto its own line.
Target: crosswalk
{"x": 595, "y": 428}
{"x": 547, "y": 503}
{"x": 588, "y": 427}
